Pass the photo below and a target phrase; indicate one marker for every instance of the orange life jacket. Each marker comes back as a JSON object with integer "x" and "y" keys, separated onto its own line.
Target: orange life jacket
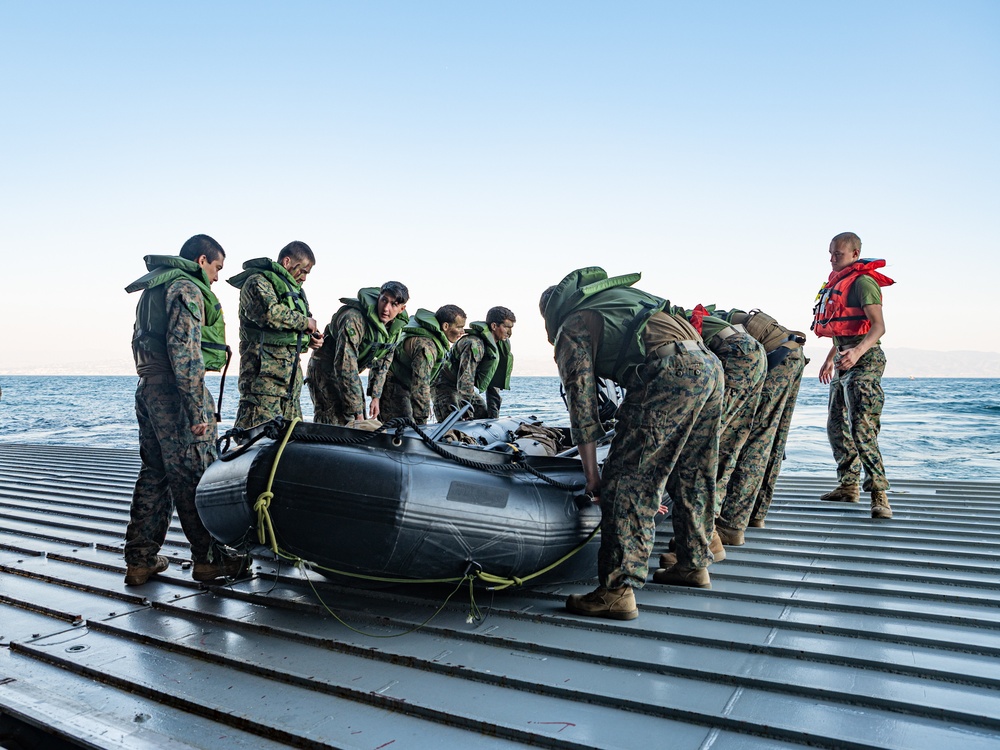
{"x": 831, "y": 314}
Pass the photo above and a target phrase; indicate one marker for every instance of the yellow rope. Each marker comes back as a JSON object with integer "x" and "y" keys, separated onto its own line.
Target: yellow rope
{"x": 265, "y": 531}
{"x": 263, "y": 502}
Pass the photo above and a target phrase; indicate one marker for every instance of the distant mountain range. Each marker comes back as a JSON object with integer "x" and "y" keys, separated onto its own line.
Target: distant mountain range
{"x": 901, "y": 363}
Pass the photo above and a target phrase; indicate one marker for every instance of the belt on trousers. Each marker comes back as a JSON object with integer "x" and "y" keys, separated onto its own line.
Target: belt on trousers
{"x": 724, "y": 334}
{"x": 163, "y": 379}
{"x": 676, "y": 347}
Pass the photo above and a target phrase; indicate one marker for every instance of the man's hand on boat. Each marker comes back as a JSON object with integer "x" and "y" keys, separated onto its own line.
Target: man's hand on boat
{"x": 373, "y": 409}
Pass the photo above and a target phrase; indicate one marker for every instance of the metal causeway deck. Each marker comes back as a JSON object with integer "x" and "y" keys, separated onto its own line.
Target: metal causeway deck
{"x": 826, "y": 629}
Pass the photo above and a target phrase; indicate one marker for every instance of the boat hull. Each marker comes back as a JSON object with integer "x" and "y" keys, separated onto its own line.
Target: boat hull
{"x": 394, "y": 508}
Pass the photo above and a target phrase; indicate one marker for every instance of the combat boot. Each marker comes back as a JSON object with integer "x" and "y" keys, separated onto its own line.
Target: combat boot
{"x": 676, "y": 575}
{"x": 756, "y": 523}
{"x": 729, "y": 537}
{"x": 223, "y": 567}
{"x": 669, "y": 558}
{"x": 136, "y": 575}
{"x": 845, "y": 493}
{"x": 614, "y": 604}
{"x": 880, "y": 505}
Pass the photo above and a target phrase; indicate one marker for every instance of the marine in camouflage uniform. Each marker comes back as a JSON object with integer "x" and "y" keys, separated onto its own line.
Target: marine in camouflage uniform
{"x": 849, "y": 310}
{"x": 481, "y": 361}
{"x": 275, "y": 329}
{"x": 418, "y": 358}
{"x": 361, "y": 336}
{"x": 748, "y": 491}
{"x": 666, "y": 437}
{"x": 175, "y": 411}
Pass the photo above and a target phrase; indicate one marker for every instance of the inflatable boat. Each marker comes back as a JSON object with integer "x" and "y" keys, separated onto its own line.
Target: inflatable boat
{"x": 408, "y": 503}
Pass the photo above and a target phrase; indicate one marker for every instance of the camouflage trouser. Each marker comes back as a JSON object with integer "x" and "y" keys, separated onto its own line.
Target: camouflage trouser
{"x": 766, "y": 493}
{"x": 744, "y": 366}
{"x": 666, "y": 439}
{"x": 173, "y": 461}
{"x": 446, "y": 401}
{"x": 327, "y": 408}
{"x": 394, "y": 401}
{"x": 854, "y": 419}
{"x": 772, "y": 418}
{"x": 265, "y": 372}
{"x": 494, "y": 400}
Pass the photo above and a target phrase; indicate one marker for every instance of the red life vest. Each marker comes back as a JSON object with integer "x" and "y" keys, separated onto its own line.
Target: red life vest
{"x": 831, "y": 315}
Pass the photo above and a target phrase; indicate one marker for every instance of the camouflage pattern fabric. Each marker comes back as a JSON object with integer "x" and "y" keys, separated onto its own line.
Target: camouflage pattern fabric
{"x": 452, "y": 390}
{"x": 766, "y": 493}
{"x": 854, "y": 420}
{"x": 173, "y": 459}
{"x": 744, "y": 366}
{"x": 267, "y": 370}
{"x": 395, "y": 401}
{"x": 777, "y": 400}
{"x": 666, "y": 439}
{"x": 414, "y": 402}
{"x": 334, "y": 378}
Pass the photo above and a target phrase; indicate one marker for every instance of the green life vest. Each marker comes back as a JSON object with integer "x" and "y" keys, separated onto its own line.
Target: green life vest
{"x": 425, "y": 324}
{"x": 501, "y": 378}
{"x": 377, "y": 341}
{"x": 625, "y": 312}
{"x": 487, "y": 367}
{"x": 289, "y": 292}
{"x": 149, "y": 337}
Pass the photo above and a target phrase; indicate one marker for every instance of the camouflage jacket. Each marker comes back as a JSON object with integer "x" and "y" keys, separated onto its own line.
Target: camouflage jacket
{"x": 339, "y": 361}
{"x": 574, "y": 352}
{"x": 260, "y": 305}
{"x": 185, "y": 314}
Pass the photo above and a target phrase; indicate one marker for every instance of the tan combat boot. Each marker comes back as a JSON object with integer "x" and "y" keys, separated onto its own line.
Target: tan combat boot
{"x": 845, "y": 493}
{"x": 668, "y": 559}
{"x": 136, "y": 575}
{"x": 615, "y": 604}
{"x": 221, "y": 569}
{"x": 756, "y": 523}
{"x": 678, "y": 576}
{"x": 880, "y": 505}
{"x": 729, "y": 537}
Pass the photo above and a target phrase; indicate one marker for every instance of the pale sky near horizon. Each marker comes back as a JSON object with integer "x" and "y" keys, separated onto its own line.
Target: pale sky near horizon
{"x": 479, "y": 151}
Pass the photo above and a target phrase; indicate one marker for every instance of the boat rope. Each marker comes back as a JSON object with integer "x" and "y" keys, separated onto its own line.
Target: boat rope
{"x": 272, "y": 429}
{"x": 266, "y": 536}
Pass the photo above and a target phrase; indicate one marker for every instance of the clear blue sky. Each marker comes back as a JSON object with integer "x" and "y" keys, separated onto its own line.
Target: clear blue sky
{"x": 478, "y": 151}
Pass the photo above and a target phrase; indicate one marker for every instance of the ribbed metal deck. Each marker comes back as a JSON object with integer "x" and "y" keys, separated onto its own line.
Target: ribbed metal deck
{"x": 826, "y": 629}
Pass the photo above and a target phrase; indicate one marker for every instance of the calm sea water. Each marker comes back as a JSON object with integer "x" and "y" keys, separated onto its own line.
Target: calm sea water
{"x": 932, "y": 428}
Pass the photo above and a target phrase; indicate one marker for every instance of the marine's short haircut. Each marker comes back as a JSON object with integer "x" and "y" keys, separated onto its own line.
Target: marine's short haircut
{"x": 397, "y": 290}
{"x": 499, "y": 315}
{"x": 847, "y": 238}
{"x": 449, "y": 313}
{"x": 298, "y": 251}
{"x": 544, "y": 299}
{"x": 202, "y": 244}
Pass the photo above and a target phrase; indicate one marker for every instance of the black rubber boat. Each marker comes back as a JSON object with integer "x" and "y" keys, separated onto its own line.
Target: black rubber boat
{"x": 405, "y": 504}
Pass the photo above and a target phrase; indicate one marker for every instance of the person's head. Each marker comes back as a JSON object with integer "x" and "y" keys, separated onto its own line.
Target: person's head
{"x": 544, "y": 299}
{"x": 392, "y": 299}
{"x": 297, "y": 258}
{"x": 207, "y": 253}
{"x": 501, "y": 322}
{"x": 845, "y": 249}
{"x": 452, "y": 319}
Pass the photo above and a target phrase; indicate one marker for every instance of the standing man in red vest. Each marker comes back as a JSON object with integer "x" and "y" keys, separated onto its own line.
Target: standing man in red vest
{"x": 849, "y": 310}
